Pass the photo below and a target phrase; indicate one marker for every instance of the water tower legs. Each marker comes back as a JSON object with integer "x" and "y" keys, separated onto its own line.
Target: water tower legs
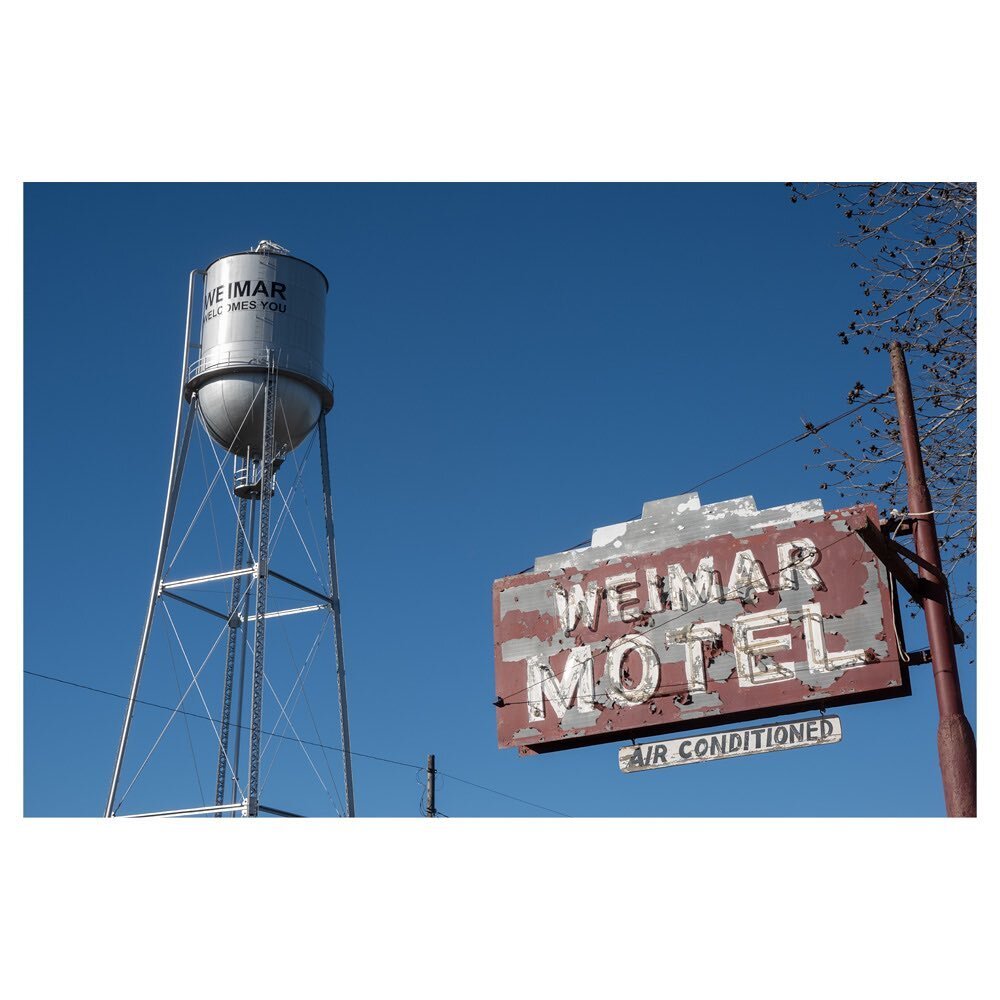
{"x": 232, "y": 640}
{"x": 243, "y": 669}
{"x": 173, "y": 484}
{"x": 249, "y": 568}
{"x": 260, "y": 620}
{"x": 345, "y": 735}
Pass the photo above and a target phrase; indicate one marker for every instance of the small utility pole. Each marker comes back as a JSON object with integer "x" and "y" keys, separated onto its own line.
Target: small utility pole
{"x": 431, "y": 811}
{"x": 956, "y": 742}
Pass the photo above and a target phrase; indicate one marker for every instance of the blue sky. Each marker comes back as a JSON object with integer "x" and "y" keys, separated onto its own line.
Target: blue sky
{"x": 491, "y": 345}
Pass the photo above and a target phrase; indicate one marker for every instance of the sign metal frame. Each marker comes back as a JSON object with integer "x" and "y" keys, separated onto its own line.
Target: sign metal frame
{"x": 692, "y": 617}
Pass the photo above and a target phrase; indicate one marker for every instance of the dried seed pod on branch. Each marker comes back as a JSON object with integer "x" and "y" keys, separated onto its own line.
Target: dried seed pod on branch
{"x": 914, "y": 246}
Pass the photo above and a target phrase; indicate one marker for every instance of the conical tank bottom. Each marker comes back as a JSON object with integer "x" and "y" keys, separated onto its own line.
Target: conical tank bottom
{"x": 232, "y": 409}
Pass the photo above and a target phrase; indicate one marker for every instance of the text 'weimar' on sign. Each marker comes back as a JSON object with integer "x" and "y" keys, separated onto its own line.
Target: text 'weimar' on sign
{"x": 732, "y": 743}
{"x": 690, "y": 615}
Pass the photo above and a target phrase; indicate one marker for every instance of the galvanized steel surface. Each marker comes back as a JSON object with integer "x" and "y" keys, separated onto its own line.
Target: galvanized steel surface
{"x": 690, "y": 615}
{"x": 258, "y": 305}
{"x": 232, "y": 409}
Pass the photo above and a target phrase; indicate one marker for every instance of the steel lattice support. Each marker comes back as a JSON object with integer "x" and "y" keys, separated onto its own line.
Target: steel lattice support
{"x": 233, "y": 420}
{"x": 243, "y": 668}
{"x": 231, "y": 643}
{"x": 180, "y": 448}
{"x": 345, "y": 734}
{"x": 260, "y": 622}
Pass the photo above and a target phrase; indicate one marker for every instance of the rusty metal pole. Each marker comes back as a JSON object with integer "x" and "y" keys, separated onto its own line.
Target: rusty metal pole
{"x": 431, "y": 810}
{"x": 956, "y": 742}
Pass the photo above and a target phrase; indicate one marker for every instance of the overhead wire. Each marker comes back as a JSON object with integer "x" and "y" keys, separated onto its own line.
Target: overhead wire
{"x": 810, "y": 430}
{"x": 341, "y": 808}
{"x": 264, "y": 732}
{"x": 175, "y": 711}
{"x": 194, "y": 680}
{"x": 206, "y": 501}
{"x": 299, "y": 683}
{"x": 726, "y": 596}
{"x": 187, "y": 726}
{"x": 418, "y": 778}
{"x": 298, "y": 739}
{"x": 465, "y": 781}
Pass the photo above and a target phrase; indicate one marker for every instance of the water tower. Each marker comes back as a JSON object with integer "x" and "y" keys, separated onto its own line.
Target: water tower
{"x": 258, "y": 388}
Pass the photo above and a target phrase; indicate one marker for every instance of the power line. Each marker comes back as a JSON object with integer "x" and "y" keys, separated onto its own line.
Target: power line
{"x": 323, "y": 746}
{"x": 693, "y": 609}
{"x": 810, "y": 430}
{"x": 445, "y": 774}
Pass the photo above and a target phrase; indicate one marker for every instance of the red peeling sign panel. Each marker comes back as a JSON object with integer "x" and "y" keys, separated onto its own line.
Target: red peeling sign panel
{"x": 786, "y": 611}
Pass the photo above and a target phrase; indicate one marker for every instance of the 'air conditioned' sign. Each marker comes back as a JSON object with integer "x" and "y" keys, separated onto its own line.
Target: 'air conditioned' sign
{"x": 691, "y": 615}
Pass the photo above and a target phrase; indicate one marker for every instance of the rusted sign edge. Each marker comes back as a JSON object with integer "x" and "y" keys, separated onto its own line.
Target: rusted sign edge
{"x": 693, "y": 725}
{"x": 854, "y": 519}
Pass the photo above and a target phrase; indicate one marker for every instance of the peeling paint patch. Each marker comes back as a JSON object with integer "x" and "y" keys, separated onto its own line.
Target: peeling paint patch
{"x": 689, "y": 614}
{"x": 663, "y": 522}
{"x": 604, "y": 536}
{"x": 528, "y": 597}
{"x": 701, "y": 704}
{"x": 577, "y": 719}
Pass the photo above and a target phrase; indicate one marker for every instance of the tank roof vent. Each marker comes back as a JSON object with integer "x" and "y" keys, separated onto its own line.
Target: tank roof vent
{"x": 266, "y": 246}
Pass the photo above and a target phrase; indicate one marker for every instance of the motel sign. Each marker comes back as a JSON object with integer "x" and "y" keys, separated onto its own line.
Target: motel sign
{"x": 691, "y": 616}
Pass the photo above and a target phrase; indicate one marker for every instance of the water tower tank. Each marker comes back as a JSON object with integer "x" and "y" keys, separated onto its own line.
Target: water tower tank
{"x": 259, "y": 305}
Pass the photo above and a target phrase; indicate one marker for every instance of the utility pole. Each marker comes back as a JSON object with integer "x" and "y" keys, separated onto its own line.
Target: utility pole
{"x": 431, "y": 811}
{"x": 956, "y": 742}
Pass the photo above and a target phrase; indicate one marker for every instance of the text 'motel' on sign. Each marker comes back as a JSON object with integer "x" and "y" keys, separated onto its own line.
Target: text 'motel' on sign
{"x": 690, "y": 616}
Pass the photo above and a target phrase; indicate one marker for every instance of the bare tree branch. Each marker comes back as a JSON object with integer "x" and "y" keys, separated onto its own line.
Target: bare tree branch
{"x": 914, "y": 246}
